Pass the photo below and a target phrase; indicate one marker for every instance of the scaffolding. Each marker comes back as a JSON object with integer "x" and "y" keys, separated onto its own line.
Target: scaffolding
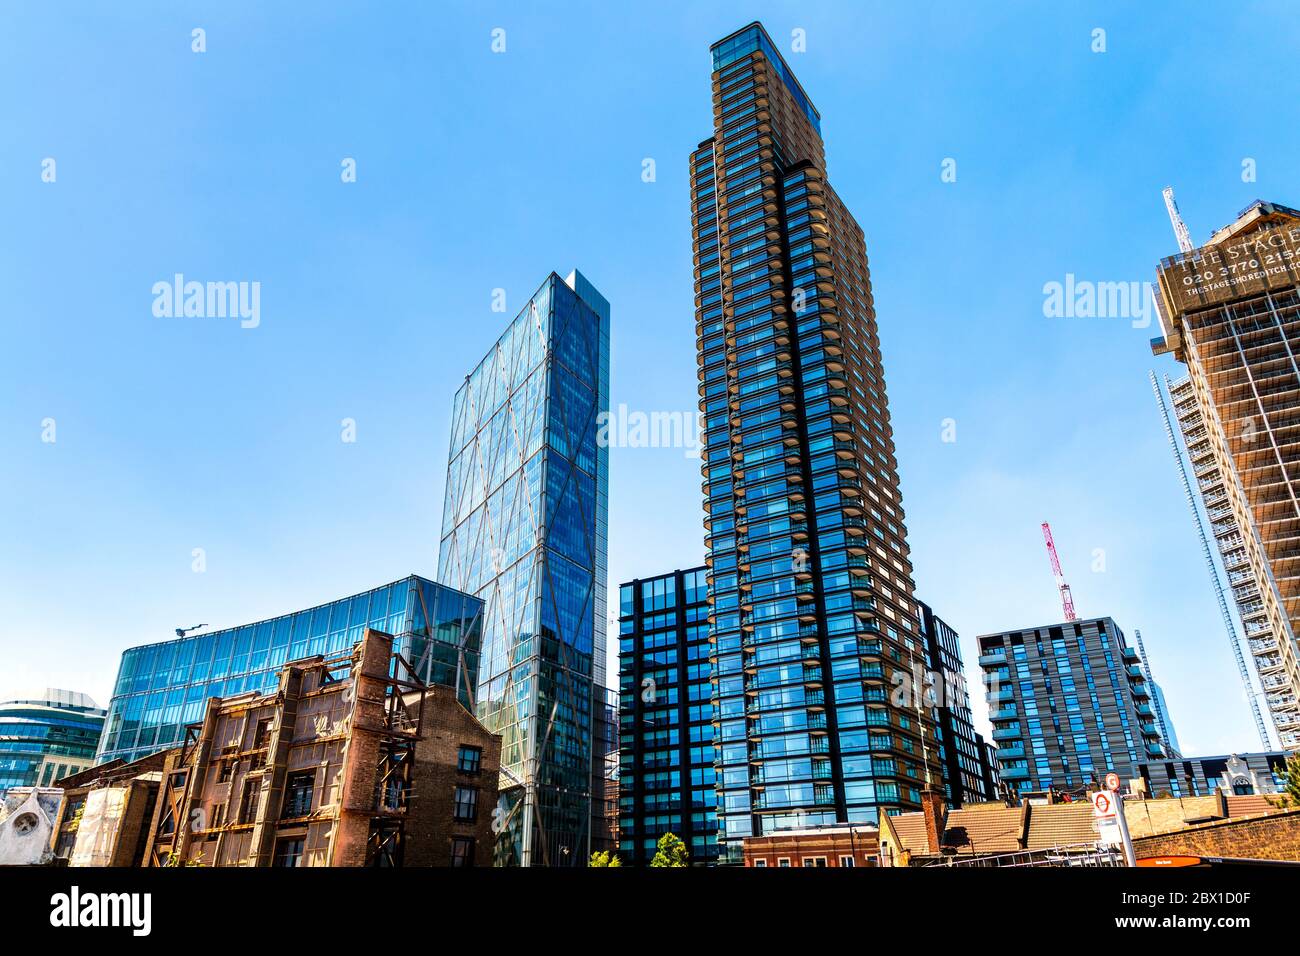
{"x": 229, "y": 784}
{"x": 1226, "y": 615}
{"x": 1059, "y": 855}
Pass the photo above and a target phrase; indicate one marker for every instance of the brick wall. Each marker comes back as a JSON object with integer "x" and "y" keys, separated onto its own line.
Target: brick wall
{"x": 863, "y": 845}
{"x": 431, "y": 825}
{"x": 1273, "y": 837}
{"x": 1152, "y": 817}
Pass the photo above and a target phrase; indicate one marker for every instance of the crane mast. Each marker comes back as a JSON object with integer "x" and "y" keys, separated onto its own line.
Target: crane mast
{"x": 1176, "y": 219}
{"x": 1067, "y": 600}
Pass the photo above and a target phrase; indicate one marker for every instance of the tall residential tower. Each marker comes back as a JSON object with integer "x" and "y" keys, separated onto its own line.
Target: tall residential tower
{"x": 813, "y": 619}
{"x": 1231, "y": 313}
{"x": 1069, "y": 703}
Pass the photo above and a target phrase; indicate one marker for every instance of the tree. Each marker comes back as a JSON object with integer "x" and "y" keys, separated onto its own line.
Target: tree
{"x": 601, "y": 858}
{"x": 1289, "y": 799}
{"x": 670, "y": 851}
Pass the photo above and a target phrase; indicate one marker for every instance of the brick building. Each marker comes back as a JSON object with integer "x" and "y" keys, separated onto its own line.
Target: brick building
{"x": 829, "y": 846}
{"x": 107, "y": 811}
{"x": 1270, "y": 836}
{"x": 351, "y": 762}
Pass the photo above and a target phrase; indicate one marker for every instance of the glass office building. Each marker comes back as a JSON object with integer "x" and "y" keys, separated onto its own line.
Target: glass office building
{"x": 163, "y": 687}
{"x": 813, "y": 613}
{"x": 1069, "y": 703}
{"x": 47, "y": 737}
{"x": 524, "y": 528}
{"x": 666, "y": 753}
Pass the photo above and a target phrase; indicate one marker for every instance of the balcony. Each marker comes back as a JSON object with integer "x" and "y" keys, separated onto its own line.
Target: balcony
{"x": 1009, "y": 733}
{"x": 1001, "y": 695}
{"x": 1130, "y": 655}
{"x": 1014, "y": 773}
{"x": 997, "y": 657}
{"x": 1016, "y": 749}
{"x": 1145, "y": 710}
{"x": 1153, "y": 750}
{"x": 1136, "y": 672}
{"x": 1004, "y": 713}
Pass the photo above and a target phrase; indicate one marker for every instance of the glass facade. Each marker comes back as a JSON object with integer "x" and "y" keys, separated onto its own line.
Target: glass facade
{"x": 163, "y": 687}
{"x": 959, "y": 746}
{"x": 1069, "y": 703}
{"x": 811, "y": 588}
{"x": 48, "y": 737}
{"x": 524, "y": 528}
{"x": 666, "y": 752}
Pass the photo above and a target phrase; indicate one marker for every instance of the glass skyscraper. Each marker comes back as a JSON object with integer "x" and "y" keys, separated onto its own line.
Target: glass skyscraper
{"x": 163, "y": 687}
{"x": 524, "y": 528}
{"x": 666, "y": 753}
{"x": 814, "y": 623}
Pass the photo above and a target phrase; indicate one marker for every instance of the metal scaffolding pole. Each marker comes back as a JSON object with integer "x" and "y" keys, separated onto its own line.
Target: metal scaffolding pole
{"x": 1233, "y": 639}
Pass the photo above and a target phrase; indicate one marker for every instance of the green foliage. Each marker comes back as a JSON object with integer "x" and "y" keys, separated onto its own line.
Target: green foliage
{"x": 1290, "y": 797}
{"x": 671, "y": 851}
{"x": 601, "y": 858}
{"x": 175, "y": 860}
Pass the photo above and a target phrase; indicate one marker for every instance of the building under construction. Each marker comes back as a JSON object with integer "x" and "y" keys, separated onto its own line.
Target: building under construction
{"x": 1205, "y": 482}
{"x": 107, "y": 811}
{"x": 1230, "y": 311}
{"x": 350, "y": 762}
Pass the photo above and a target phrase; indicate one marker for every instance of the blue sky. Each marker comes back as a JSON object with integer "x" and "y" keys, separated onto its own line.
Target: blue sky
{"x": 479, "y": 170}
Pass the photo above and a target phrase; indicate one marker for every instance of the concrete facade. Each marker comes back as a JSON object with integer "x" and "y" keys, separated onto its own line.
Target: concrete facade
{"x": 1230, "y": 311}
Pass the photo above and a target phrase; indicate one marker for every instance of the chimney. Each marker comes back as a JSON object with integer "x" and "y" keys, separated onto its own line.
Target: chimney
{"x": 932, "y": 808}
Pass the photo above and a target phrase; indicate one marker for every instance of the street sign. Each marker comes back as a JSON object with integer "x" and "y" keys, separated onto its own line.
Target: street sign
{"x": 1108, "y": 818}
{"x": 1112, "y": 781}
{"x": 1103, "y": 806}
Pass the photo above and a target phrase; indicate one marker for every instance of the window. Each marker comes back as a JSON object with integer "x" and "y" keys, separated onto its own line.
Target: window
{"x": 288, "y": 852}
{"x": 462, "y": 851}
{"x": 262, "y": 734}
{"x": 297, "y": 793}
{"x": 761, "y": 863}
{"x": 248, "y": 803}
{"x": 783, "y": 861}
{"x": 846, "y": 861}
{"x": 470, "y": 759}
{"x": 466, "y": 808}
{"x": 814, "y": 861}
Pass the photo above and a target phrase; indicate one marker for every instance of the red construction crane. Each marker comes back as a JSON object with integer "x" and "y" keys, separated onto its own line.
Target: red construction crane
{"x": 1067, "y": 600}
